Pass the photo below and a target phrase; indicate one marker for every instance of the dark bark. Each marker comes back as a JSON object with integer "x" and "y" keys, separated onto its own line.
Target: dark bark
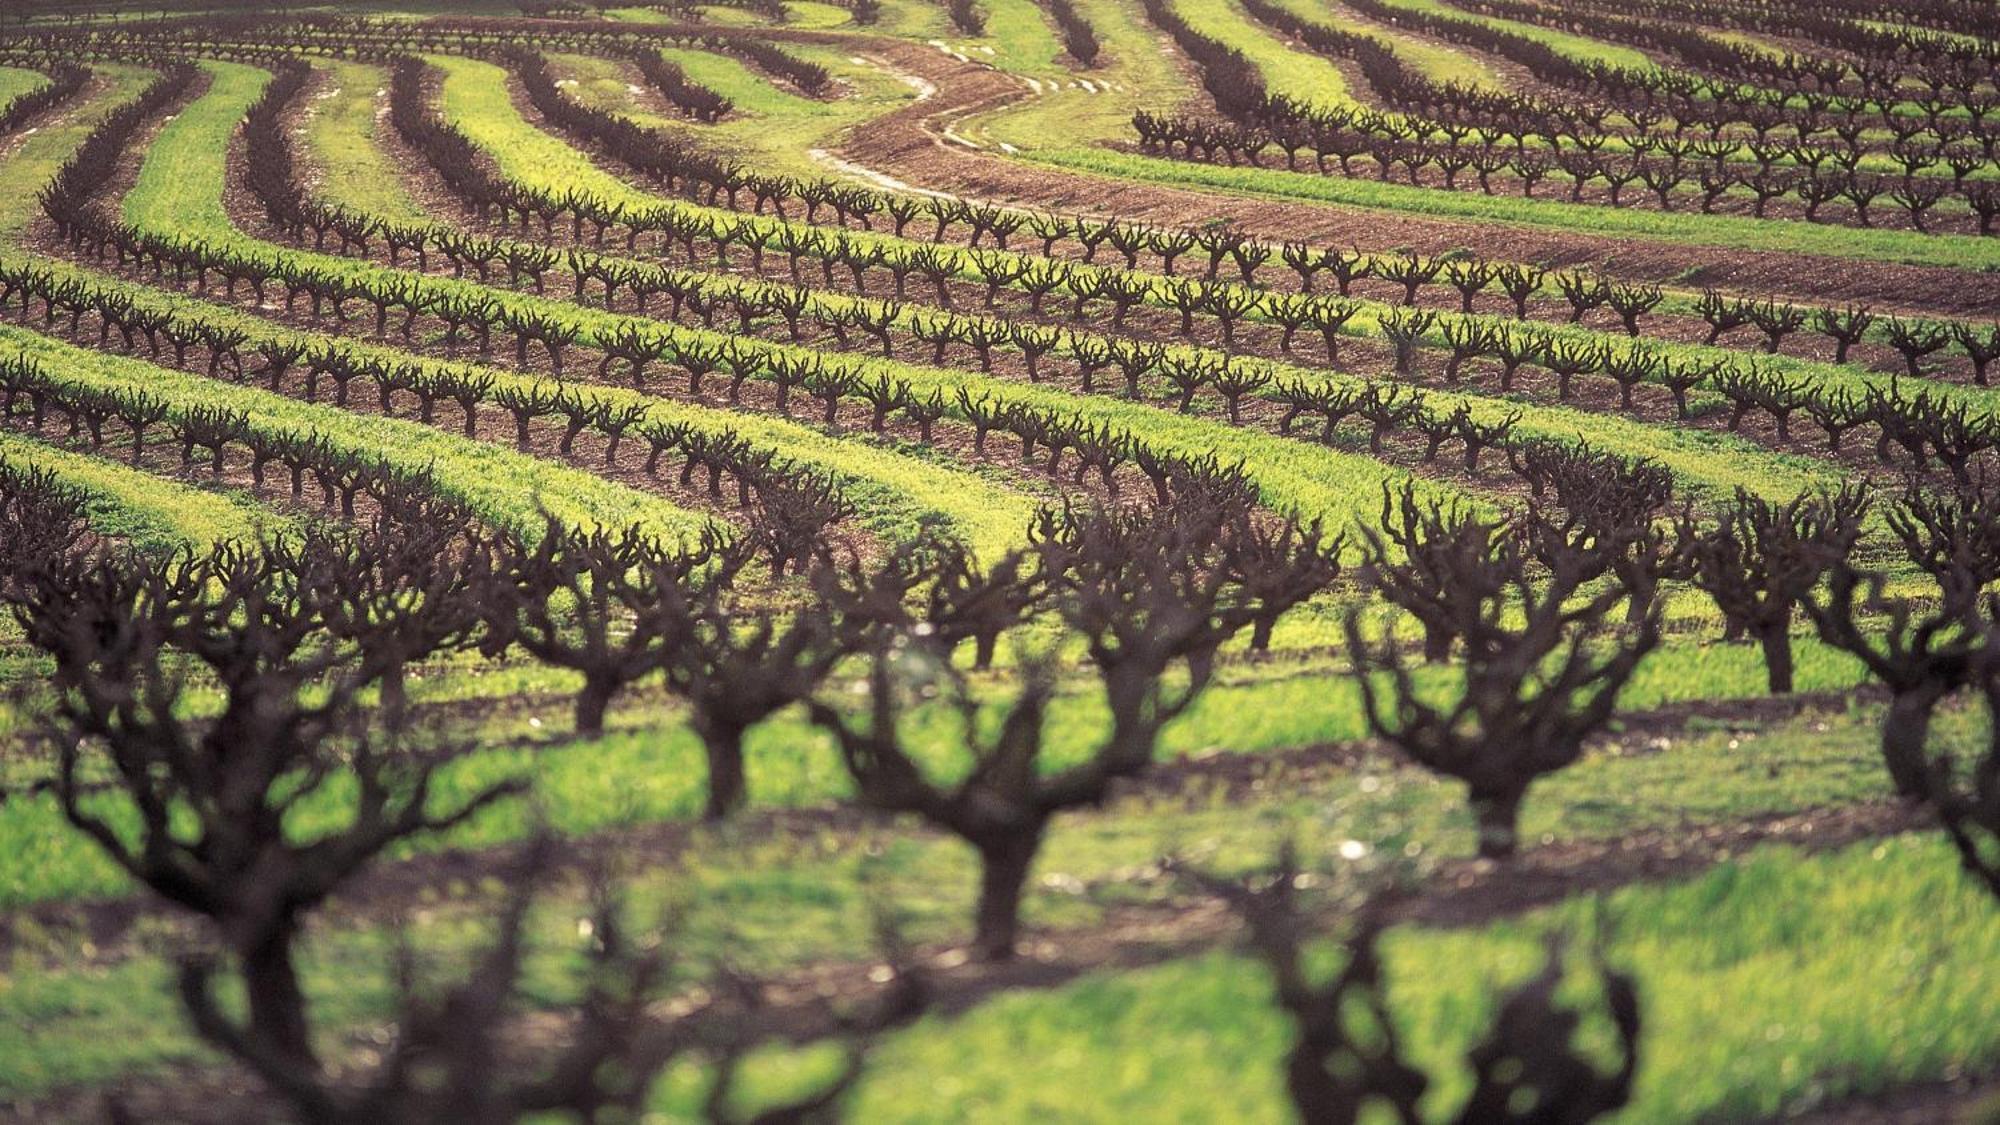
{"x": 592, "y": 702}
{"x": 1776, "y": 641}
{"x": 1905, "y": 730}
{"x": 1498, "y": 815}
{"x": 1005, "y": 862}
{"x": 727, "y": 784}
{"x": 277, "y": 1003}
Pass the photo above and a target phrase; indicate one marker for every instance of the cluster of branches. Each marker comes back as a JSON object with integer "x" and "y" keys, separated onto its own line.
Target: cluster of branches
{"x": 1147, "y": 591}
{"x": 1347, "y": 1062}
{"x": 966, "y": 16}
{"x": 1950, "y": 70}
{"x": 684, "y": 93}
{"x": 296, "y": 632}
{"x": 67, "y": 197}
{"x": 1526, "y": 603}
{"x": 1928, "y": 647}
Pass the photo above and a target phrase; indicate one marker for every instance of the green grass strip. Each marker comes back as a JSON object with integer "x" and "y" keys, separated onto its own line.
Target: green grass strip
{"x": 1294, "y": 71}
{"x": 1312, "y": 480}
{"x": 505, "y": 487}
{"x": 1731, "y": 232}
{"x": 143, "y": 509}
{"x": 1772, "y": 982}
{"x": 342, "y": 134}
{"x": 16, "y": 81}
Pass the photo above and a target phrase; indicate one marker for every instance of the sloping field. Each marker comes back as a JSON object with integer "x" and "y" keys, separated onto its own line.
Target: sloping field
{"x": 1000, "y": 560}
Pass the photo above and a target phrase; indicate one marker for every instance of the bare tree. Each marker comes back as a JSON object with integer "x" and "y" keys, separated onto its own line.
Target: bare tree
{"x": 42, "y": 521}
{"x": 1612, "y": 507}
{"x": 1952, "y": 533}
{"x": 1433, "y": 562}
{"x": 1921, "y": 655}
{"x": 1145, "y": 600}
{"x": 599, "y": 602}
{"x": 734, "y": 669}
{"x": 1543, "y": 667}
{"x": 1968, "y": 802}
{"x": 1761, "y": 559}
{"x": 202, "y": 808}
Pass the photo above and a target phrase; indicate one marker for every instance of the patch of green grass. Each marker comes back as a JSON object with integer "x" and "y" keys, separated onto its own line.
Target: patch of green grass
{"x": 1440, "y": 62}
{"x": 1780, "y": 980}
{"x": 140, "y": 508}
{"x": 341, "y": 140}
{"x": 1818, "y": 943}
{"x": 1294, "y": 70}
{"x": 812, "y": 15}
{"x": 772, "y": 904}
{"x": 1020, "y": 38}
{"x": 1579, "y": 47}
{"x": 506, "y": 487}
{"x": 16, "y": 81}
{"x": 35, "y": 161}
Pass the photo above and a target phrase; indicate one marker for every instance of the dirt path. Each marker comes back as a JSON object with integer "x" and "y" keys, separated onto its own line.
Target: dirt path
{"x": 914, "y": 144}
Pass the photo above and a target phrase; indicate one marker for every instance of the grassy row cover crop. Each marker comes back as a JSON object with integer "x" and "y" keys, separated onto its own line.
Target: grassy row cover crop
{"x": 504, "y": 487}
{"x": 1311, "y": 480}
{"x": 475, "y": 94}
{"x": 141, "y": 508}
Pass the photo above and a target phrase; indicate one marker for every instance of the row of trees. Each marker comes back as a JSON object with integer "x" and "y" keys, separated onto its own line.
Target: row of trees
{"x": 65, "y": 81}
{"x": 1930, "y": 423}
{"x": 1688, "y": 99}
{"x": 1455, "y": 113}
{"x": 344, "y": 612}
{"x": 1925, "y": 427}
{"x": 297, "y": 631}
{"x": 1878, "y": 46}
{"x": 1526, "y": 605}
{"x": 1874, "y": 65}
{"x": 1216, "y": 245}
{"x": 1659, "y": 173}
